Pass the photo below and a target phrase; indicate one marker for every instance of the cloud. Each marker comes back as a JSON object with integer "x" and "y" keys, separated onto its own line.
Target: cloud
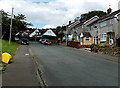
{"x": 55, "y": 12}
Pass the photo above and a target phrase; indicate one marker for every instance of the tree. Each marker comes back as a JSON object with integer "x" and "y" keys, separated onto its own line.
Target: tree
{"x": 19, "y": 24}
{"x": 5, "y": 23}
{"x": 60, "y": 33}
{"x": 91, "y": 14}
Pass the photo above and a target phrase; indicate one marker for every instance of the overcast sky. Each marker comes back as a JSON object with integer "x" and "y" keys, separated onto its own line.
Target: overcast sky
{"x": 51, "y": 13}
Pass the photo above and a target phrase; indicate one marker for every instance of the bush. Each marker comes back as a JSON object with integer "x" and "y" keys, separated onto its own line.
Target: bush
{"x": 74, "y": 44}
{"x": 77, "y": 45}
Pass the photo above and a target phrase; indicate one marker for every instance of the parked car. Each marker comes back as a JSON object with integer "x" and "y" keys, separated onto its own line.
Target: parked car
{"x": 47, "y": 42}
{"x": 42, "y": 41}
{"x": 24, "y": 41}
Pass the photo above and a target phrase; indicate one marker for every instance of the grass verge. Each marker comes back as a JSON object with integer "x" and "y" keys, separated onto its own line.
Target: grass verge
{"x": 9, "y": 48}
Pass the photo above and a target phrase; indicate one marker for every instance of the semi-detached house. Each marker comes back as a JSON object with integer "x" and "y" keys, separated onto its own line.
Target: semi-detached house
{"x": 103, "y": 30}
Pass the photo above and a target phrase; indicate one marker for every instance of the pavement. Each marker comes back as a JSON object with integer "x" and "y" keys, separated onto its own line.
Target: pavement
{"x": 22, "y": 71}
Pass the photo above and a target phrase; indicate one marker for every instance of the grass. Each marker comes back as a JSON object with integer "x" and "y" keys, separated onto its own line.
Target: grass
{"x": 9, "y": 48}
{"x": 0, "y": 45}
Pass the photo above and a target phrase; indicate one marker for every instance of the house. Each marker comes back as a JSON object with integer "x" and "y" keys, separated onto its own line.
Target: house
{"x": 85, "y": 38}
{"x": 72, "y": 30}
{"x": 50, "y": 33}
{"x": 105, "y": 29}
{"x": 40, "y": 32}
{"x": 77, "y": 30}
{"x": 118, "y": 18}
{"x": 36, "y": 32}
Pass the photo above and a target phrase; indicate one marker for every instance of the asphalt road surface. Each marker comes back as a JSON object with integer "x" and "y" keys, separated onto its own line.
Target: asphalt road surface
{"x": 63, "y": 66}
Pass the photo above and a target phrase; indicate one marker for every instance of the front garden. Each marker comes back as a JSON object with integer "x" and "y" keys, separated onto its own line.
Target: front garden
{"x": 106, "y": 49}
{"x": 98, "y": 48}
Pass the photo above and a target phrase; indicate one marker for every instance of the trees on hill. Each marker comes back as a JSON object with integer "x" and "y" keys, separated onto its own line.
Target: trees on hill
{"x": 91, "y": 14}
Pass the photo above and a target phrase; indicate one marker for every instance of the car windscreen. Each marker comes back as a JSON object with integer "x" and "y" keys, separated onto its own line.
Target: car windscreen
{"x": 25, "y": 40}
{"x": 48, "y": 41}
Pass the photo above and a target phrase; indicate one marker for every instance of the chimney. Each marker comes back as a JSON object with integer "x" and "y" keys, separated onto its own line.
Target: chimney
{"x": 69, "y": 22}
{"x": 109, "y": 10}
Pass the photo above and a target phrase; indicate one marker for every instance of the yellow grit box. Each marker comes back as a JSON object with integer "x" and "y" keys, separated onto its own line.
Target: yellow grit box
{"x": 6, "y": 57}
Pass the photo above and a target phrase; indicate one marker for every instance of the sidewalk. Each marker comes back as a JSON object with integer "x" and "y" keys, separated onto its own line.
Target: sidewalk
{"x": 22, "y": 71}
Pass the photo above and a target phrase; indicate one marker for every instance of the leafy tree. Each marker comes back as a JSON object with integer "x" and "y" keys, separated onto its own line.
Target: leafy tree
{"x": 5, "y": 22}
{"x": 60, "y": 33}
{"x": 91, "y": 14}
{"x": 19, "y": 24}
{"x": 58, "y": 28}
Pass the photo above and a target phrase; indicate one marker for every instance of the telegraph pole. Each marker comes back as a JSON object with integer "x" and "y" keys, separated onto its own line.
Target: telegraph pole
{"x": 66, "y": 36}
{"x": 11, "y": 26}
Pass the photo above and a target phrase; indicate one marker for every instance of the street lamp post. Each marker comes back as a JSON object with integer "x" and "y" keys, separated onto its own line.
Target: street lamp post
{"x": 11, "y": 26}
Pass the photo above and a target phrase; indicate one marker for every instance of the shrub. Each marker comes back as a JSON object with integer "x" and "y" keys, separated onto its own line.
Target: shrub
{"x": 74, "y": 44}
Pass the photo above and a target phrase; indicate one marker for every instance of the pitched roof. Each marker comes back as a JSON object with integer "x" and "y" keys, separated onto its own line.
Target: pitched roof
{"x": 106, "y": 17}
{"x": 109, "y": 15}
{"x": 91, "y": 19}
{"x": 73, "y": 24}
{"x": 86, "y": 34}
{"x": 50, "y": 33}
{"x": 77, "y": 23}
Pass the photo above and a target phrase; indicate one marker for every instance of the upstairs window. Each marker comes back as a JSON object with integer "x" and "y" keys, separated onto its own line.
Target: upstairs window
{"x": 111, "y": 21}
{"x": 102, "y": 24}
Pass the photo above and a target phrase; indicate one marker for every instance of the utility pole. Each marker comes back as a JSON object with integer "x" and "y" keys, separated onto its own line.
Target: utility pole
{"x": 66, "y": 36}
{"x": 11, "y": 26}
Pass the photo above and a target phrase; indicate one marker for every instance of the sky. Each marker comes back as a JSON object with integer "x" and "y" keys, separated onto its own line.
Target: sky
{"x": 53, "y": 13}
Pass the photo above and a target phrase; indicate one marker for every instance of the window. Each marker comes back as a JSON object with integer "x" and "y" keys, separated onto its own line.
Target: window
{"x": 103, "y": 37}
{"x": 49, "y": 31}
{"x": 87, "y": 38}
{"x": 103, "y": 24}
{"x": 111, "y": 21}
{"x": 96, "y": 26}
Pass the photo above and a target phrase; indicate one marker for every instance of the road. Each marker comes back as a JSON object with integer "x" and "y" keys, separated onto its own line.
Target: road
{"x": 63, "y": 66}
